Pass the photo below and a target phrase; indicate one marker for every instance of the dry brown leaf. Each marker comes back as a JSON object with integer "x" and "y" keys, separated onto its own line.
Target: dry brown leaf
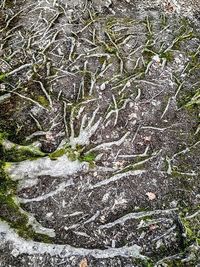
{"x": 153, "y": 227}
{"x": 169, "y": 7}
{"x": 83, "y": 263}
{"x": 147, "y": 139}
{"x": 151, "y": 195}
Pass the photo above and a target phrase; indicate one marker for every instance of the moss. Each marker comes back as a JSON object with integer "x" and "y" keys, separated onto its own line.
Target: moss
{"x": 167, "y": 55}
{"x": 173, "y": 263}
{"x": 7, "y": 186}
{"x": 10, "y": 210}
{"x": 88, "y": 157}
{"x": 148, "y": 23}
{"x": 191, "y": 230}
{"x": 190, "y": 101}
{"x": 26, "y": 231}
{"x": 102, "y": 59}
{"x": 181, "y": 38}
{"x": 109, "y": 46}
{"x": 138, "y": 164}
{"x": 3, "y": 76}
{"x": 163, "y": 20}
{"x": 119, "y": 102}
{"x": 9, "y": 3}
{"x": 58, "y": 153}
{"x": 74, "y": 154}
{"x": 43, "y": 101}
{"x": 177, "y": 174}
{"x": 2, "y": 137}
{"x": 143, "y": 262}
{"x": 19, "y": 153}
{"x": 19, "y": 221}
{"x": 185, "y": 32}
{"x": 110, "y": 49}
{"x": 185, "y": 98}
{"x": 111, "y": 21}
{"x": 194, "y": 63}
{"x": 148, "y": 53}
{"x": 87, "y": 84}
{"x": 195, "y": 100}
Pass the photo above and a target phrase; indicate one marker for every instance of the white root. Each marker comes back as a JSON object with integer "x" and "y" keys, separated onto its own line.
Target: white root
{"x": 62, "y": 167}
{"x": 135, "y": 165}
{"x": 19, "y": 69}
{"x": 65, "y": 118}
{"x": 136, "y": 215}
{"x": 184, "y": 151}
{"x": 117, "y": 177}
{"x": 166, "y": 108}
{"x": 22, "y": 246}
{"x": 106, "y": 146}
{"x": 145, "y": 154}
{"x": 60, "y": 188}
{"x": 85, "y": 132}
{"x": 37, "y": 227}
{"x": 45, "y": 93}
{"x": 116, "y": 111}
{"x": 29, "y": 99}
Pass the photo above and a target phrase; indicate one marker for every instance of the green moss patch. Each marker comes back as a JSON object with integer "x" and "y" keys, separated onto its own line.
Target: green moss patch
{"x": 10, "y": 210}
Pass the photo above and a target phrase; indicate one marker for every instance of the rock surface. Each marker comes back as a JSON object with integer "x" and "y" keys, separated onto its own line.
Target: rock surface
{"x": 99, "y": 133}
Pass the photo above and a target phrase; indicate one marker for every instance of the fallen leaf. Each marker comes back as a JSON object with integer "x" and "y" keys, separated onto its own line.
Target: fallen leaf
{"x": 147, "y": 139}
{"x": 151, "y": 195}
{"x": 83, "y": 263}
{"x": 169, "y": 7}
{"x": 153, "y": 227}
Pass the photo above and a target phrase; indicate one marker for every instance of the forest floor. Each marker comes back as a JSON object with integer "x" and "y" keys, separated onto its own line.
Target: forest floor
{"x": 99, "y": 133}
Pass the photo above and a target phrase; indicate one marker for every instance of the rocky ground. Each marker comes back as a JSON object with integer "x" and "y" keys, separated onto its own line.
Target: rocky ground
{"x": 99, "y": 133}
